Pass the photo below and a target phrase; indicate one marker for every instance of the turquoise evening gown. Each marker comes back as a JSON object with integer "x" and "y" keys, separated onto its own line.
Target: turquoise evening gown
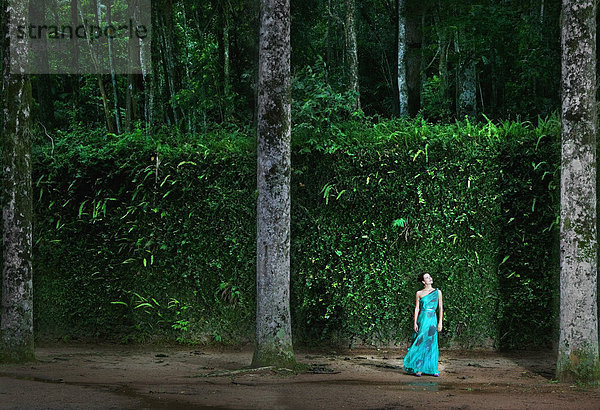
{"x": 422, "y": 355}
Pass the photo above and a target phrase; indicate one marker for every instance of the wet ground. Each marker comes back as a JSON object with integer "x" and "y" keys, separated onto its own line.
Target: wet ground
{"x": 116, "y": 377}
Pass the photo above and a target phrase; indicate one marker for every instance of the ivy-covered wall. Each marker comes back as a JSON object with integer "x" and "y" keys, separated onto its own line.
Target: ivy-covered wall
{"x": 140, "y": 235}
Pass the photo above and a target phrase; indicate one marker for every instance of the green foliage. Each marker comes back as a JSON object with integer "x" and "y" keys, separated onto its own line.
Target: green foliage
{"x": 205, "y": 63}
{"x": 529, "y": 214}
{"x": 317, "y": 107}
{"x": 436, "y": 102}
{"x": 133, "y": 213}
{"x": 174, "y": 314}
{"x": 164, "y": 225}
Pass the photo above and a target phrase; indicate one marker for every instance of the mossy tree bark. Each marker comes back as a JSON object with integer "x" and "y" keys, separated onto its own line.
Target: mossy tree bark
{"x": 16, "y": 323}
{"x": 352, "y": 52}
{"x": 578, "y": 344}
{"x": 402, "y": 83}
{"x": 273, "y": 322}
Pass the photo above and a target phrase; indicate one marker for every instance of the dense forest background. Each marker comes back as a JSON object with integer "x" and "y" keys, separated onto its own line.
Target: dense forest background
{"x": 145, "y": 184}
{"x": 204, "y": 64}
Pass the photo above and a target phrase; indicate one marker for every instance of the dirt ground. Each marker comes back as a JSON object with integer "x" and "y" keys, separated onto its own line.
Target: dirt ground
{"x": 113, "y": 376}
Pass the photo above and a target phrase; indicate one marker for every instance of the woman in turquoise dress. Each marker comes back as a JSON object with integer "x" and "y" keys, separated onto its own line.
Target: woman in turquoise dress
{"x": 422, "y": 355}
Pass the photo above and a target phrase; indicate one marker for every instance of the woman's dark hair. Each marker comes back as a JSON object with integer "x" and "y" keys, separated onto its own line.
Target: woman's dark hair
{"x": 420, "y": 278}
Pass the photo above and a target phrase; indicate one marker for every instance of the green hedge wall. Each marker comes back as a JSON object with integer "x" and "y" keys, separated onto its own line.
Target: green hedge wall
{"x": 141, "y": 236}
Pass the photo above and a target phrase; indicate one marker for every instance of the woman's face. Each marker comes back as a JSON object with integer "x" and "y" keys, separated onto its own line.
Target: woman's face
{"x": 427, "y": 279}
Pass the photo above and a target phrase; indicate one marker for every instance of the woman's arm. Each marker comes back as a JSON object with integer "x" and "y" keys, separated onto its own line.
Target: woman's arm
{"x": 416, "y": 326}
{"x": 440, "y": 311}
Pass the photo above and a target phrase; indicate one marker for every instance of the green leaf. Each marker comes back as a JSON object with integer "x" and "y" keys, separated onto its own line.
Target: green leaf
{"x": 325, "y": 192}
{"x": 401, "y": 222}
{"x": 186, "y": 163}
{"x": 81, "y": 208}
{"x": 144, "y": 304}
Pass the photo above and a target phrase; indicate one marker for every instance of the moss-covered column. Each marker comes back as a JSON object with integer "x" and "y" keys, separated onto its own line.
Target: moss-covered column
{"x": 273, "y": 322}
{"x": 578, "y": 344}
{"x": 16, "y": 323}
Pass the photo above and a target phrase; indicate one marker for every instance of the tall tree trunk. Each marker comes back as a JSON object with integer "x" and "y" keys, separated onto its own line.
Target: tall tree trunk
{"x": 402, "y": 84}
{"x": 443, "y": 47}
{"x": 223, "y": 44}
{"x": 109, "y": 125}
{"x": 273, "y": 322}
{"x": 329, "y": 34}
{"x": 139, "y": 87}
{"x": 467, "y": 89}
{"x": 191, "y": 113}
{"x": 466, "y": 79}
{"x": 133, "y": 59}
{"x": 42, "y": 68}
{"x": 4, "y": 46}
{"x": 74, "y": 54}
{"x": 226, "y": 65}
{"x": 413, "y": 56}
{"x": 113, "y": 75}
{"x": 16, "y": 329}
{"x": 144, "y": 59}
{"x": 131, "y": 108}
{"x": 409, "y": 58}
{"x": 352, "y": 52}
{"x": 134, "y": 79}
{"x": 172, "y": 78}
{"x": 157, "y": 112}
{"x": 218, "y": 4}
{"x": 74, "y": 23}
{"x": 578, "y": 343}
{"x": 168, "y": 85}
